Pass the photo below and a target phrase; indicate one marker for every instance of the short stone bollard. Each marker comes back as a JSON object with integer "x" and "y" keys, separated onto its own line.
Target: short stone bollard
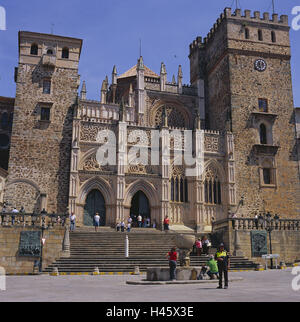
{"x": 55, "y": 272}
{"x": 136, "y": 270}
{"x": 96, "y": 271}
{"x": 259, "y": 267}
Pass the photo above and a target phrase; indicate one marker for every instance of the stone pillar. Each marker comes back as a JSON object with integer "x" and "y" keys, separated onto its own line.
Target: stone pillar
{"x": 165, "y": 173}
{"x": 121, "y": 164}
{"x": 140, "y": 91}
{"x": 163, "y": 77}
{"x": 179, "y": 79}
{"x": 230, "y": 169}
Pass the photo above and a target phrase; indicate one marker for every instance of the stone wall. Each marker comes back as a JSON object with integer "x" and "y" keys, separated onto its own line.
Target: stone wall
{"x": 286, "y": 243}
{"x": 9, "y": 248}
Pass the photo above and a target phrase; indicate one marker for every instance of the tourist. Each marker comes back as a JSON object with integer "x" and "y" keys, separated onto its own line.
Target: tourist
{"x": 96, "y": 221}
{"x": 22, "y": 212}
{"x": 166, "y": 224}
{"x": 147, "y": 222}
{"x": 139, "y": 219}
{"x": 198, "y": 246}
{"x": 172, "y": 257}
{"x": 14, "y": 211}
{"x": 205, "y": 245}
{"x": 118, "y": 226}
{"x": 256, "y": 220}
{"x": 4, "y": 211}
{"x": 128, "y": 227}
{"x": 213, "y": 268}
{"x": 202, "y": 273}
{"x": 122, "y": 226}
{"x": 72, "y": 222}
{"x": 223, "y": 260}
{"x": 129, "y": 220}
{"x": 154, "y": 223}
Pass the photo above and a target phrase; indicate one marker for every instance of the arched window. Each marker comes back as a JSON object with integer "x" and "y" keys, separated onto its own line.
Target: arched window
{"x": 263, "y": 134}
{"x": 247, "y": 33}
{"x": 50, "y": 52}
{"x": 273, "y": 36}
{"x": 34, "y": 49}
{"x": 212, "y": 188}
{"x": 65, "y": 53}
{"x": 260, "y": 35}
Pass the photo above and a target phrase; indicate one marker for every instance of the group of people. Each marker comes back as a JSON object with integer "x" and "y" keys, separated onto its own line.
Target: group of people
{"x": 134, "y": 221}
{"x": 216, "y": 267}
{"x": 202, "y": 246}
{"x": 14, "y": 211}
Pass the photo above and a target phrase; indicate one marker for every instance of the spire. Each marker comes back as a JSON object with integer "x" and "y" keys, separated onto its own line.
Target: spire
{"x": 83, "y": 91}
{"x": 104, "y": 88}
{"x": 173, "y": 79}
{"x": 179, "y": 79}
{"x": 114, "y": 75}
{"x": 163, "y": 77}
{"x": 140, "y": 64}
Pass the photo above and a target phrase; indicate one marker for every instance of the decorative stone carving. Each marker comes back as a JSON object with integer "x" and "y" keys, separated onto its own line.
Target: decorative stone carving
{"x": 175, "y": 117}
{"x": 211, "y": 144}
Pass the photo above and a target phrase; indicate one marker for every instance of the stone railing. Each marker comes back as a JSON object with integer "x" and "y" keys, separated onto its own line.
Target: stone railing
{"x": 32, "y": 220}
{"x": 260, "y": 224}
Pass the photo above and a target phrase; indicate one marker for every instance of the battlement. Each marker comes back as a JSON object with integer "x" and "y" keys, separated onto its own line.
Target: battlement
{"x": 257, "y": 17}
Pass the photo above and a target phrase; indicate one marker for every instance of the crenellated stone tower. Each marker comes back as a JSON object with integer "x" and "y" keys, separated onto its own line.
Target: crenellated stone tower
{"x": 47, "y": 82}
{"x": 244, "y": 63}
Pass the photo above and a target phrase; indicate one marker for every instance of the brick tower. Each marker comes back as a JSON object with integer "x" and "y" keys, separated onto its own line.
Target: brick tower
{"x": 47, "y": 81}
{"x": 245, "y": 65}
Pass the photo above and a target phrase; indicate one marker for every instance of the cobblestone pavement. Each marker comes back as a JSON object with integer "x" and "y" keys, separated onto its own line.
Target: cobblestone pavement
{"x": 269, "y": 285}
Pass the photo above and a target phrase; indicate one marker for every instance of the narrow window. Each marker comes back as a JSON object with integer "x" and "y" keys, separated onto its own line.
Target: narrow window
{"x": 4, "y": 121}
{"x": 247, "y": 33}
{"x": 260, "y": 35}
{"x": 172, "y": 189}
{"x": 210, "y": 193}
{"x": 273, "y": 36}
{"x": 46, "y": 86}
{"x": 186, "y": 190}
{"x": 267, "y": 175}
{"x": 65, "y": 53}
{"x": 206, "y": 191}
{"x": 263, "y": 105}
{"x": 219, "y": 193}
{"x": 181, "y": 190}
{"x": 34, "y": 49}
{"x": 49, "y": 52}
{"x": 176, "y": 189}
{"x": 263, "y": 134}
{"x": 45, "y": 114}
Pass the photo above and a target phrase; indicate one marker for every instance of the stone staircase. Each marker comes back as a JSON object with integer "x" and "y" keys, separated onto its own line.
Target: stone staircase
{"x": 106, "y": 250}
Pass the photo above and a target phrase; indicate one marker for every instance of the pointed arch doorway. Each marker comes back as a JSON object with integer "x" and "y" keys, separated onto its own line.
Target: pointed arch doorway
{"x": 94, "y": 203}
{"x": 140, "y": 206}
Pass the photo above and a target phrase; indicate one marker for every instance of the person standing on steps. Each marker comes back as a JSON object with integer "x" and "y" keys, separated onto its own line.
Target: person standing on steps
{"x": 199, "y": 246}
{"x": 172, "y": 257}
{"x": 223, "y": 260}
{"x": 72, "y": 221}
{"x": 96, "y": 221}
{"x": 122, "y": 226}
{"x": 166, "y": 224}
{"x": 139, "y": 219}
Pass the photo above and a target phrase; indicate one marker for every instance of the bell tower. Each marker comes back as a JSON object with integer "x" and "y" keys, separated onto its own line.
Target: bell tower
{"x": 47, "y": 81}
{"x": 245, "y": 64}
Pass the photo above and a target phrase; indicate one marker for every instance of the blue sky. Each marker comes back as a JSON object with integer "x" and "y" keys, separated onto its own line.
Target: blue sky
{"x": 111, "y": 31}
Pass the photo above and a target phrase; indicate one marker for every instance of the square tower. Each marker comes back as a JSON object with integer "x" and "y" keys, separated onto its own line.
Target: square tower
{"x": 245, "y": 63}
{"x": 47, "y": 81}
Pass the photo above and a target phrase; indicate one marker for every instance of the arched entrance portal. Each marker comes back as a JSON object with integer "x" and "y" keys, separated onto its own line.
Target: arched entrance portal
{"x": 140, "y": 206}
{"x": 94, "y": 203}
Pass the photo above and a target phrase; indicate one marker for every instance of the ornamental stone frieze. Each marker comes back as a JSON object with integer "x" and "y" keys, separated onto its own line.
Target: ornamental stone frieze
{"x": 91, "y": 164}
{"x": 90, "y": 132}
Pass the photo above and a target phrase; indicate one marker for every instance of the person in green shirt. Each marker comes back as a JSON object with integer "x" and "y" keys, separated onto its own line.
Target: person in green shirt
{"x": 213, "y": 267}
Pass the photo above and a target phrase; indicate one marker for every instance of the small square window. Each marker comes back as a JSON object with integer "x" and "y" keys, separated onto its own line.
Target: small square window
{"x": 46, "y": 86}
{"x": 263, "y": 105}
{"x": 45, "y": 114}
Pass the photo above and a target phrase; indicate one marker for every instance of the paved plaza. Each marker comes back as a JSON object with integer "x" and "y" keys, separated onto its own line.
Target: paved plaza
{"x": 274, "y": 286}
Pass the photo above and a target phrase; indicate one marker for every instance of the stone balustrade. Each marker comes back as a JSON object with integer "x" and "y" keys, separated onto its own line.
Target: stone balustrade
{"x": 34, "y": 220}
{"x": 261, "y": 224}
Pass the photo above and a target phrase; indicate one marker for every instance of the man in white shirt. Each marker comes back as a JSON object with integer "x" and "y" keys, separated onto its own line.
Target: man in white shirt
{"x": 139, "y": 219}
{"x": 14, "y": 211}
{"x": 72, "y": 222}
{"x": 96, "y": 221}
